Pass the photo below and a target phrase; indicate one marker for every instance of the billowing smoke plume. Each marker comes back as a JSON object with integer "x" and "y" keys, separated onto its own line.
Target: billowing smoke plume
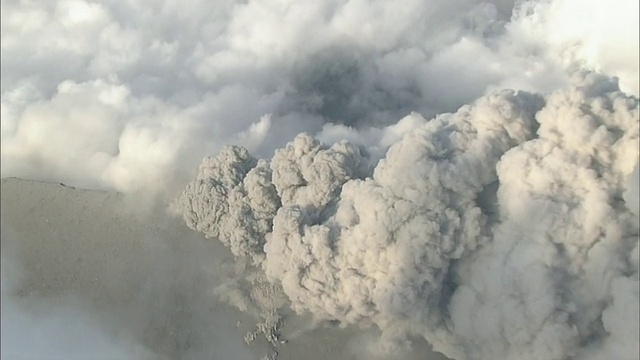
{"x": 233, "y": 200}
{"x": 564, "y": 253}
{"x": 498, "y": 231}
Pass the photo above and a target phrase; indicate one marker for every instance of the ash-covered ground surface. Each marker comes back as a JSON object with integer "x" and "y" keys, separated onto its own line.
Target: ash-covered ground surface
{"x": 86, "y": 275}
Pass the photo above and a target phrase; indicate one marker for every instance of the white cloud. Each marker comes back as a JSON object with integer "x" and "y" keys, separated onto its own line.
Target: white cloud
{"x": 217, "y": 68}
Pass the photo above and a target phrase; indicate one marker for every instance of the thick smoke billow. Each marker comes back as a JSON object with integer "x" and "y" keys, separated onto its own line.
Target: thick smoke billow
{"x": 564, "y": 253}
{"x": 233, "y": 200}
{"x": 498, "y": 231}
{"x": 389, "y": 239}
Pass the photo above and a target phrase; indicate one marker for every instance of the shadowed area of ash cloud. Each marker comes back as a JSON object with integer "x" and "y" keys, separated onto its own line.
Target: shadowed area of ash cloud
{"x": 344, "y": 86}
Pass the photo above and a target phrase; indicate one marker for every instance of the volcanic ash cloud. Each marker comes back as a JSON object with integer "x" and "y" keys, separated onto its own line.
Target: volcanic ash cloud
{"x": 557, "y": 279}
{"x": 499, "y": 231}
